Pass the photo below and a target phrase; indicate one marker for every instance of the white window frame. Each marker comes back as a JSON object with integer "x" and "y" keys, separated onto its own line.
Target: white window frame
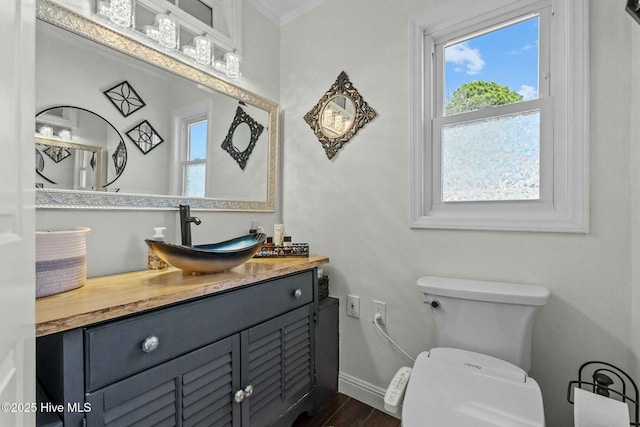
{"x": 186, "y": 144}
{"x": 181, "y": 119}
{"x": 564, "y": 204}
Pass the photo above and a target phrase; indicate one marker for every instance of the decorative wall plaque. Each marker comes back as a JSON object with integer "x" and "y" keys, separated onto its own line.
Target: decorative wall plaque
{"x": 125, "y": 98}
{"x": 338, "y": 115}
{"x": 145, "y": 137}
{"x": 240, "y": 141}
{"x": 119, "y": 157}
{"x": 57, "y": 154}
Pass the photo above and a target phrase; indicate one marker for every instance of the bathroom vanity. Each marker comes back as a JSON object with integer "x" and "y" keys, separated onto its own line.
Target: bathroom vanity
{"x": 236, "y": 348}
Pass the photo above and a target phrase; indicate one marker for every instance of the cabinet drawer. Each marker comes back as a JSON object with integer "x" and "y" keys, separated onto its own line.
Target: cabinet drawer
{"x": 115, "y": 350}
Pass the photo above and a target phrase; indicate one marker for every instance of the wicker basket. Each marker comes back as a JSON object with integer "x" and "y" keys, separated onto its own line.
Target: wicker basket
{"x": 61, "y": 261}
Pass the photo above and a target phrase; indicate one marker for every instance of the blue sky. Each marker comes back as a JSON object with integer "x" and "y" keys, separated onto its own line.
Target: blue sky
{"x": 508, "y": 56}
{"x": 198, "y": 143}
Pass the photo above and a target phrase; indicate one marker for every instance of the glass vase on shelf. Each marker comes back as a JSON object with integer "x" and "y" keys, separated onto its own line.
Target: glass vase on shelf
{"x": 121, "y": 12}
{"x": 167, "y": 31}
{"x": 203, "y": 49}
{"x": 152, "y": 32}
{"x": 189, "y": 50}
{"x": 232, "y": 64}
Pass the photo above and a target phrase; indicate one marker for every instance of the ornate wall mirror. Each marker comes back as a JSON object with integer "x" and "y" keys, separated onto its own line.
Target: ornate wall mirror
{"x": 338, "y": 115}
{"x": 92, "y": 133}
{"x": 242, "y": 137}
{"x": 78, "y": 59}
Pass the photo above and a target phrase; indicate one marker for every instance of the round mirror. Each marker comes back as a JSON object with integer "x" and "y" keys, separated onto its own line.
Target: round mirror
{"x": 241, "y": 137}
{"x": 69, "y": 137}
{"x": 337, "y": 116}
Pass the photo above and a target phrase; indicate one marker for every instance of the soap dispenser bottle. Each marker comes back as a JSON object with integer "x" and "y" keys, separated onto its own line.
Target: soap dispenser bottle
{"x": 153, "y": 261}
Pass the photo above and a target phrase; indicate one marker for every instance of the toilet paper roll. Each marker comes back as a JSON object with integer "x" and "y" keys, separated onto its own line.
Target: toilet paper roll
{"x": 593, "y": 410}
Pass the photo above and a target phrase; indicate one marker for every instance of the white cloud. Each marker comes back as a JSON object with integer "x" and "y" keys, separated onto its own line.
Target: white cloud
{"x": 523, "y": 49}
{"x": 462, "y": 54}
{"x": 528, "y": 92}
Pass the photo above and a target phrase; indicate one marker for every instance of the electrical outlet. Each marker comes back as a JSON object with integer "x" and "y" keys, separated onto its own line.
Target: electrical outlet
{"x": 380, "y": 308}
{"x": 353, "y": 306}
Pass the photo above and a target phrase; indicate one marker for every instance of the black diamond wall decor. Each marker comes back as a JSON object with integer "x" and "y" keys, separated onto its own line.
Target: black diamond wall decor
{"x": 125, "y": 98}
{"x": 145, "y": 137}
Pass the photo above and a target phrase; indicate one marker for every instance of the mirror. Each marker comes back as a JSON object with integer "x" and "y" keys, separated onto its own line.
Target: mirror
{"x": 84, "y": 63}
{"x": 338, "y": 115}
{"x": 242, "y": 137}
{"x": 74, "y": 166}
{"x": 91, "y": 133}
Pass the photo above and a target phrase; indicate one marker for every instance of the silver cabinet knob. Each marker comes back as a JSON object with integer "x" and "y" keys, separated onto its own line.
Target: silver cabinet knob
{"x": 248, "y": 391}
{"x": 150, "y": 343}
{"x": 238, "y": 396}
{"x": 297, "y": 293}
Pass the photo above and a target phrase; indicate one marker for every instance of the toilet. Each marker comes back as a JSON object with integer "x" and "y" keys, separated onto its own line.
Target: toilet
{"x": 477, "y": 374}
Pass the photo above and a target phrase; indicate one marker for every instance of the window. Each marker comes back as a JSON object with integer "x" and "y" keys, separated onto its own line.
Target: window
{"x": 195, "y": 163}
{"x": 494, "y": 154}
{"x": 201, "y": 10}
{"x": 499, "y": 116}
{"x": 191, "y": 154}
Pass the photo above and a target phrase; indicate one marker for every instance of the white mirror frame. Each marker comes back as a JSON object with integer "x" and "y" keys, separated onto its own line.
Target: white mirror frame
{"x": 53, "y": 13}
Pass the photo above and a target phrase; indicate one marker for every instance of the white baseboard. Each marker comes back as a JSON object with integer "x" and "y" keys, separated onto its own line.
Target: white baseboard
{"x": 363, "y": 391}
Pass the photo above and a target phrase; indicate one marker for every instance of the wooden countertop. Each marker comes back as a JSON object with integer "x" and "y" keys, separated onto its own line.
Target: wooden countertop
{"x": 109, "y": 297}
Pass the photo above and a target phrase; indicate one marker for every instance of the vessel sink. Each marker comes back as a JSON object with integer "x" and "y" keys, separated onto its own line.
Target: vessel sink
{"x": 209, "y": 258}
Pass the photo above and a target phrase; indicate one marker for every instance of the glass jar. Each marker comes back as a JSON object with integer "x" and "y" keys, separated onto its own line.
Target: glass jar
{"x": 167, "y": 31}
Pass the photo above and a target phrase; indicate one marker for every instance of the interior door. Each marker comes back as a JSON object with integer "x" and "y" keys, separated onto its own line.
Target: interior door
{"x": 17, "y": 212}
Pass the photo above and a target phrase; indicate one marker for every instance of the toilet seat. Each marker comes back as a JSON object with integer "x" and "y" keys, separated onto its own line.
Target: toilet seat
{"x": 460, "y": 388}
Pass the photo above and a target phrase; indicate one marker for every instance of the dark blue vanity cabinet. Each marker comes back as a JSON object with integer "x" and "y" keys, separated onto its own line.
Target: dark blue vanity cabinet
{"x": 245, "y": 357}
{"x": 327, "y": 349}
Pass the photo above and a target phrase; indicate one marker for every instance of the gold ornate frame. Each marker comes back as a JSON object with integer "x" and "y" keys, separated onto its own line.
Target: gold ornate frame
{"x": 363, "y": 115}
{"x": 53, "y": 13}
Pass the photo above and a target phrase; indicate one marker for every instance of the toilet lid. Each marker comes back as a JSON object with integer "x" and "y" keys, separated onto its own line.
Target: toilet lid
{"x": 451, "y": 387}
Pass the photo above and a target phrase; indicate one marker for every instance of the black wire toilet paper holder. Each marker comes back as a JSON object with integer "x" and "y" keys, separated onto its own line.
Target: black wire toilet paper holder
{"x": 600, "y": 383}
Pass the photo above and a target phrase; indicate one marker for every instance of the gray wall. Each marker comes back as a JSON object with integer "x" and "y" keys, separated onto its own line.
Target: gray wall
{"x": 355, "y": 208}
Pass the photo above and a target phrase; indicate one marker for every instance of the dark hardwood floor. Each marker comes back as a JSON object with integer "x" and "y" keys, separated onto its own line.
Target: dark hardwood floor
{"x": 343, "y": 411}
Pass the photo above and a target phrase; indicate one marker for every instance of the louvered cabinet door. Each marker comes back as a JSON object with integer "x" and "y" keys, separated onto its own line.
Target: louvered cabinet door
{"x": 193, "y": 390}
{"x": 277, "y": 363}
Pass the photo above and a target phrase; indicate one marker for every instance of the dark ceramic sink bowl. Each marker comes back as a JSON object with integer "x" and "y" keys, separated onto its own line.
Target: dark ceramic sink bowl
{"x": 210, "y": 258}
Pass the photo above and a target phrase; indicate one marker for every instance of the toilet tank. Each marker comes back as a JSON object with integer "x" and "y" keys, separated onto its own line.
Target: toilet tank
{"x": 492, "y": 318}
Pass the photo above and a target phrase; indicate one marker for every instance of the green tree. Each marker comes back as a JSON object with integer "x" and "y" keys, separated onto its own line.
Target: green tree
{"x": 477, "y": 94}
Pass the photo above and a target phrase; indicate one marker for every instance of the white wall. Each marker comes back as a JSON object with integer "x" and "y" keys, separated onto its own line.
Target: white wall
{"x": 355, "y": 208}
{"x": 60, "y": 81}
{"x": 116, "y": 242}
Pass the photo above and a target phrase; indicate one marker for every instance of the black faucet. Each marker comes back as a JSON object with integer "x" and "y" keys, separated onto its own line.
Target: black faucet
{"x": 185, "y": 223}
